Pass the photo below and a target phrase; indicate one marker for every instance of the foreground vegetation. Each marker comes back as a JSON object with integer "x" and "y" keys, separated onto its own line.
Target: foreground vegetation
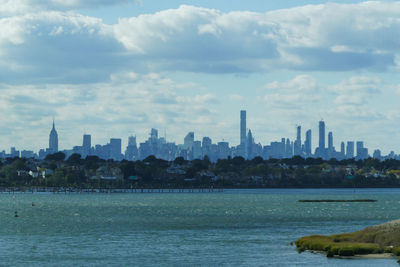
{"x": 384, "y": 238}
{"x": 297, "y": 172}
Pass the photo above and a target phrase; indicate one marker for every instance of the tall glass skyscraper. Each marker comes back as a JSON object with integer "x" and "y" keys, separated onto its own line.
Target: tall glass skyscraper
{"x": 87, "y": 142}
{"x": 307, "y": 143}
{"x": 243, "y": 127}
{"x": 321, "y": 136}
{"x": 350, "y": 150}
{"x": 243, "y": 136}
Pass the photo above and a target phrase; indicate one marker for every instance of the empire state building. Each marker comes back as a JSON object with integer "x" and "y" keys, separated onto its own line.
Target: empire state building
{"x": 53, "y": 140}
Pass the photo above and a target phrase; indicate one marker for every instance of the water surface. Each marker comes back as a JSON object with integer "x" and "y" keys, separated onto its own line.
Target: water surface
{"x": 236, "y": 227}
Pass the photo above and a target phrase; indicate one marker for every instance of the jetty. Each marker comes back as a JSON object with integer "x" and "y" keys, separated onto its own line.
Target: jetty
{"x": 65, "y": 190}
{"x": 337, "y": 200}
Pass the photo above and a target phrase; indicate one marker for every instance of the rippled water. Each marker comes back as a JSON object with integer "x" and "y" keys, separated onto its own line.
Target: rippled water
{"x": 237, "y": 227}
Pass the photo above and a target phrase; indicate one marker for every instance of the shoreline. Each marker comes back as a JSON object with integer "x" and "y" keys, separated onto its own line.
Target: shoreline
{"x": 359, "y": 256}
{"x": 30, "y": 190}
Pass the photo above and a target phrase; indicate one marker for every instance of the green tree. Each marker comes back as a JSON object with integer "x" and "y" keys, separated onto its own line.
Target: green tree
{"x": 58, "y": 156}
{"x": 75, "y": 159}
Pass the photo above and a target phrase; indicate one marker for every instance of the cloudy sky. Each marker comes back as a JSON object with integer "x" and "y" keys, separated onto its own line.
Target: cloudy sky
{"x": 113, "y": 68}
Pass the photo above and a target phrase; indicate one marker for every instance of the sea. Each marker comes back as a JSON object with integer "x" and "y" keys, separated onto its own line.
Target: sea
{"x": 244, "y": 227}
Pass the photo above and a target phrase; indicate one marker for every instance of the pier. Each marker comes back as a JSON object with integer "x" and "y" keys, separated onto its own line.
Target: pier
{"x": 110, "y": 191}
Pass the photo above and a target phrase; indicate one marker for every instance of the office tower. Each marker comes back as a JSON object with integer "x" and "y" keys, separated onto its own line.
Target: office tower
{"x": 321, "y": 136}
{"x": 223, "y": 150}
{"x": 188, "y": 141}
{"x": 377, "y": 154}
{"x": 53, "y": 140}
{"x": 154, "y": 134}
{"x": 132, "y": 141}
{"x": 298, "y": 139}
{"x": 250, "y": 142}
{"x": 14, "y": 153}
{"x": 288, "y": 149}
{"x": 307, "y": 143}
{"x": 87, "y": 144}
{"x": 350, "y": 150}
{"x": 360, "y": 146}
{"x": 342, "y": 152}
{"x": 206, "y": 146}
{"x": 115, "y": 148}
{"x": 297, "y": 143}
{"x": 243, "y": 138}
{"x": 131, "y": 152}
{"x": 362, "y": 152}
{"x": 321, "y": 151}
{"x": 27, "y": 154}
{"x": 197, "y": 153}
{"x": 330, "y": 141}
{"x": 243, "y": 127}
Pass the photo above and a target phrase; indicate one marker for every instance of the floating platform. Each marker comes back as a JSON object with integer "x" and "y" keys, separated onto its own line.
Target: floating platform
{"x": 337, "y": 200}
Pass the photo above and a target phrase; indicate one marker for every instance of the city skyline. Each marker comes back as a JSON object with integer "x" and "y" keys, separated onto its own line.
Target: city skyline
{"x": 116, "y": 68}
{"x": 194, "y": 147}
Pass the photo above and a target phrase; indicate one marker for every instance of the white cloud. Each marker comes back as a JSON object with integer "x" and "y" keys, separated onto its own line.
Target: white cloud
{"x": 357, "y": 90}
{"x": 65, "y": 47}
{"x": 104, "y": 109}
{"x": 300, "y": 84}
{"x": 18, "y": 7}
{"x": 236, "y": 98}
{"x": 302, "y": 92}
{"x": 297, "y": 38}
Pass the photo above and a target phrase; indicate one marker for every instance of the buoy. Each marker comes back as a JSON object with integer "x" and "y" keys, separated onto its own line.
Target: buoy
{"x": 33, "y": 204}
{"x": 16, "y": 214}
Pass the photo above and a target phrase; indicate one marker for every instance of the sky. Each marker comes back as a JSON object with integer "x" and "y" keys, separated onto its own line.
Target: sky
{"x": 114, "y": 68}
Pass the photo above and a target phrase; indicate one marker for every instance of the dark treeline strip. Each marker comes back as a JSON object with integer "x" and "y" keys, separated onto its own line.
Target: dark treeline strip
{"x": 296, "y": 172}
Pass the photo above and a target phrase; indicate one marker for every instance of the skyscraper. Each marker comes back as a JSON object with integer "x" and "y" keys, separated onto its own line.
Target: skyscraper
{"x": 350, "y": 150}
{"x": 154, "y": 134}
{"x": 53, "y": 140}
{"x": 87, "y": 144}
{"x": 321, "y": 150}
{"x": 297, "y": 143}
{"x": 188, "y": 141}
{"x": 243, "y": 136}
{"x": 115, "y": 148}
{"x": 250, "y": 142}
{"x": 307, "y": 143}
{"x": 330, "y": 141}
{"x": 131, "y": 152}
{"x": 362, "y": 152}
{"x": 321, "y": 136}
{"x": 342, "y": 152}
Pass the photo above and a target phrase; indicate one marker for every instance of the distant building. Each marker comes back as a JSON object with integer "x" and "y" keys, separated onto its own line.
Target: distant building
{"x": 27, "y": 154}
{"x": 53, "y": 140}
{"x": 243, "y": 137}
{"x": 188, "y": 141}
{"x": 131, "y": 152}
{"x": 377, "y": 154}
{"x": 350, "y": 150}
{"x": 115, "y": 148}
{"x": 297, "y": 144}
{"x": 197, "y": 151}
{"x": 362, "y": 152}
{"x": 342, "y": 150}
{"x": 86, "y": 144}
{"x": 321, "y": 151}
{"x": 14, "y": 153}
{"x": 307, "y": 144}
{"x": 249, "y": 145}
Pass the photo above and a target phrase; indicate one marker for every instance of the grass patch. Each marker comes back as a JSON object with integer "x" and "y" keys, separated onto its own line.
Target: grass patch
{"x": 383, "y": 238}
{"x": 340, "y": 245}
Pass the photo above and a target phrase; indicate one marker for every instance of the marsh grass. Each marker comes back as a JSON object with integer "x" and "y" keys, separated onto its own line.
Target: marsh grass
{"x": 340, "y": 245}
